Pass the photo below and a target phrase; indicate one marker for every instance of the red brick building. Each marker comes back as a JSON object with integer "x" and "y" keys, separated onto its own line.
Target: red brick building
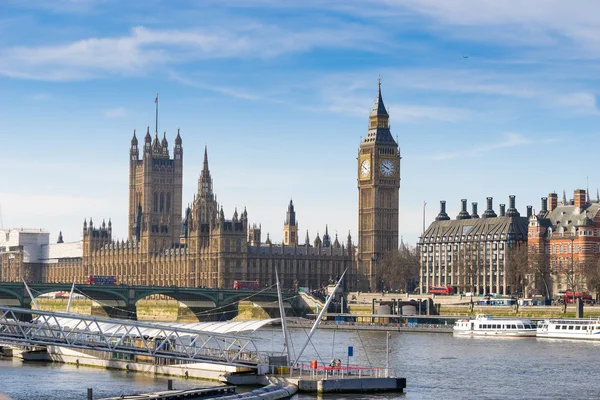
{"x": 567, "y": 234}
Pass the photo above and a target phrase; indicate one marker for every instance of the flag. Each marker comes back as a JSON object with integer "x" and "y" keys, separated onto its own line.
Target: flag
{"x": 156, "y": 99}
{"x": 424, "y": 204}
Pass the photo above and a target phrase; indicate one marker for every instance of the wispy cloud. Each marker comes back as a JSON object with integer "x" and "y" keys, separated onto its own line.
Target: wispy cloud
{"x": 510, "y": 140}
{"x": 228, "y": 91}
{"x": 145, "y": 49}
{"x": 116, "y": 112}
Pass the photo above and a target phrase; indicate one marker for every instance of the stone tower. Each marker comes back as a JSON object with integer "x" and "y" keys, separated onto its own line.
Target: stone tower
{"x": 378, "y": 196}
{"x": 155, "y": 192}
{"x": 290, "y": 227}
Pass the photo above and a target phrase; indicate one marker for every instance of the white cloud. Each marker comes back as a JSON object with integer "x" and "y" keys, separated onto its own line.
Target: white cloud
{"x": 510, "y": 140}
{"x": 117, "y": 112}
{"x": 145, "y": 49}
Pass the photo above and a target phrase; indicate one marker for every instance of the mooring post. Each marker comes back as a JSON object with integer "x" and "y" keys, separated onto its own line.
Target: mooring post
{"x": 170, "y": 384}
{"x": 90, "y": 394}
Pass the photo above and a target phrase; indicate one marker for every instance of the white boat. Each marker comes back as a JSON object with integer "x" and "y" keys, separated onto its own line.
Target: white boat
{"x": 486, "y": 325}
{"x": 588, "y": 329}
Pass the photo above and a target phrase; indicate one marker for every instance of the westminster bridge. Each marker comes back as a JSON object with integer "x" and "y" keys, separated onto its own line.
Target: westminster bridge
{"x": 119, "y": 301}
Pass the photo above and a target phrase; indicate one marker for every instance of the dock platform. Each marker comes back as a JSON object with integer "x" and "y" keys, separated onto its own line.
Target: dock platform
{"x": 200, "y": 393}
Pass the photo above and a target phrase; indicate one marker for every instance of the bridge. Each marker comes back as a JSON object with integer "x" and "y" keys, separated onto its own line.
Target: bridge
{"x": 171, "y": 341}
{"x": 118, "y": 301}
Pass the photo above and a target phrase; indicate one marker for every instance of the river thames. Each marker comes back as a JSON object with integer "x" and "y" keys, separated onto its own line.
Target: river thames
{"x": 435, "y": 366}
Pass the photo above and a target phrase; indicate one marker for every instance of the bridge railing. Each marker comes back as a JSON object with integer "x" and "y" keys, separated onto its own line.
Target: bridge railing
{"x": 128, "y": 337}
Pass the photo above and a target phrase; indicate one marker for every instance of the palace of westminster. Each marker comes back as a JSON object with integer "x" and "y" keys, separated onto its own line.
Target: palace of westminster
{"x": 207, "y": 249}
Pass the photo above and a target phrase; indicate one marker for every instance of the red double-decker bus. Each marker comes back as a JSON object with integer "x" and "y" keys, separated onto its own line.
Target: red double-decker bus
{"x": 441, "y": 290}
{"x": 102, "y": 280}
{"x": 246, "y": 285}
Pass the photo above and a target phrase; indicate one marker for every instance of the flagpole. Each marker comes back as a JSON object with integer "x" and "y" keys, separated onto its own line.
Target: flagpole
{"x": 156, "y": 101}
{"x": 424, "y": 205}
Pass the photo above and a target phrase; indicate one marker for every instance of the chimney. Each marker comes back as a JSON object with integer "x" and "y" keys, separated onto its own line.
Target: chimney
{"x": 474, "y": 210}
{"x": 489, "y": 212}
{"x": 580, "y": 199}
{"x": 544, "y": 204}
{"x": 442, "y": 216}
{"x": 463, "y": 214}
{"x": 512, "y": 210}
{"x": 553, "y": 197}
{"x": 502, "y": 210}
{"x": 529, "y": 211}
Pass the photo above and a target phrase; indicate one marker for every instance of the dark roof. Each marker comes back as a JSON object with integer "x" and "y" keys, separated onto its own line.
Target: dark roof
{"x": 569, "y": 216}
{"x": 460, "y": 230}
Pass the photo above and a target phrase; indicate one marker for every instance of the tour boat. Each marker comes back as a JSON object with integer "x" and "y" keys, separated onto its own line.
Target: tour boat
{"x": 486, "y": 325}
{"x": 570, "y": 329}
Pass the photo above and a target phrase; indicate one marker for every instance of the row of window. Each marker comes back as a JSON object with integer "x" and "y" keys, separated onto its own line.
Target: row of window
{"x": 449, "y": 247}
{"x": 489, "y": 236}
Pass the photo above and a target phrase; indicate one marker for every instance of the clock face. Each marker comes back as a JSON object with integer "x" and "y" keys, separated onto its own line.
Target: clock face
{"x": 387, "y": 168}
{"x": 365, "y": 168}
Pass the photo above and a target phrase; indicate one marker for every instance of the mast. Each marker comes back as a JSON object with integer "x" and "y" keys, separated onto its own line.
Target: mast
{"x": 286, "y": 342}
{"x": 71, "y": 297}
{"x": 31, "y": 295}
{"x": 318, "y": 321}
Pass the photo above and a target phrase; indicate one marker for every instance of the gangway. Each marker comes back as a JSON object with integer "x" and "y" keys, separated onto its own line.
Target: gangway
{"x": 170, "y": 341}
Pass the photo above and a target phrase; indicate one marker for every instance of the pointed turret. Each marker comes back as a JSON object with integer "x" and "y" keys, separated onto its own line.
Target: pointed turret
{"x": 307, "y": 239}
{"x": 60, "y": 238}
{"x": 290, "y": 217}
{"x": 326, "y": 238}
{"x": 379, "y": 108}
{"x": 205, "y": 180}
{"x": 165, "y": 144}
{"x": 148, "y": 141}
{"x": 379, "y": 128}
{"x": 317, "y": 241}
{"x": 564, "y": 198}
{"x": 134, "y": 141}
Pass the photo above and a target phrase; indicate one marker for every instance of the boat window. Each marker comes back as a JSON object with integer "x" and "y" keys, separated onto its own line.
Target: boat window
{"x": 577, "y": 328}
{"x": 520, "y": 326}
{"x": 571, "y": 327}
{"x": 513, "y": 327}
{"x": 563, "y": 327}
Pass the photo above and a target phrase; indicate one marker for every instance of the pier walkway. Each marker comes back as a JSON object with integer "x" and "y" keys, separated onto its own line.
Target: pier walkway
{"x": 170, "y": 341}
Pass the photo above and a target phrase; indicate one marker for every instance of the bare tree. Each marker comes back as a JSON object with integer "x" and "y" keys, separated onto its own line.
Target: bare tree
{"x": 516, "y": 267}
{"x": 591, "y": 273}
{"x": 399, "y": 270}
{"x": 539, "y": 267}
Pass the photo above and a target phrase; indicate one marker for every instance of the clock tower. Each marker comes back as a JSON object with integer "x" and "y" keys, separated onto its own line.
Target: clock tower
{"x": 378, "y": 196}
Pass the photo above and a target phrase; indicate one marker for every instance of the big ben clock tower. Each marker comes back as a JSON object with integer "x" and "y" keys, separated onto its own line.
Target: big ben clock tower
{"x": 378, "y": 196}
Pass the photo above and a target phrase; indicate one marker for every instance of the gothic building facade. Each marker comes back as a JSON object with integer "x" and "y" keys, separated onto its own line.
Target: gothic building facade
{"x": 378, "y": 197}
{"x": 207, "y": 249}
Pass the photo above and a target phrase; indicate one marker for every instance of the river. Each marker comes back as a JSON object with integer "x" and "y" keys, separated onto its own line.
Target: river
{"x": 435, "y": 366}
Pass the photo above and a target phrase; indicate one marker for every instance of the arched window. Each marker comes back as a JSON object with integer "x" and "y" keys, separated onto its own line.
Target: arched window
{"x": 162, "y": 202}
{"x": 155, "y": 202}
{"x": 168, "y": 202}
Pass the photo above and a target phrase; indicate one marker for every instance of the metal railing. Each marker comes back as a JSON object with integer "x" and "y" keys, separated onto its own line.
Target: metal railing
{"x": 309, "y": 371}
{"x": 128, "y": 337}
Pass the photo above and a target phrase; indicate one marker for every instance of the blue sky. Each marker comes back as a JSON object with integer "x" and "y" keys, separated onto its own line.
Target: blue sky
{"x": 491, "y": 98}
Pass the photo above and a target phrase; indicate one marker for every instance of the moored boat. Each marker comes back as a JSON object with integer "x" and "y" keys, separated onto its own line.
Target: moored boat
{"x": 487, "y": 325}
{"x": 576, "y": 328}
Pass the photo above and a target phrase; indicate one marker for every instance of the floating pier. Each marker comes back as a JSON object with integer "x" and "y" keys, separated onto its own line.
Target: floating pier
{"x": 200, "y": 393}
